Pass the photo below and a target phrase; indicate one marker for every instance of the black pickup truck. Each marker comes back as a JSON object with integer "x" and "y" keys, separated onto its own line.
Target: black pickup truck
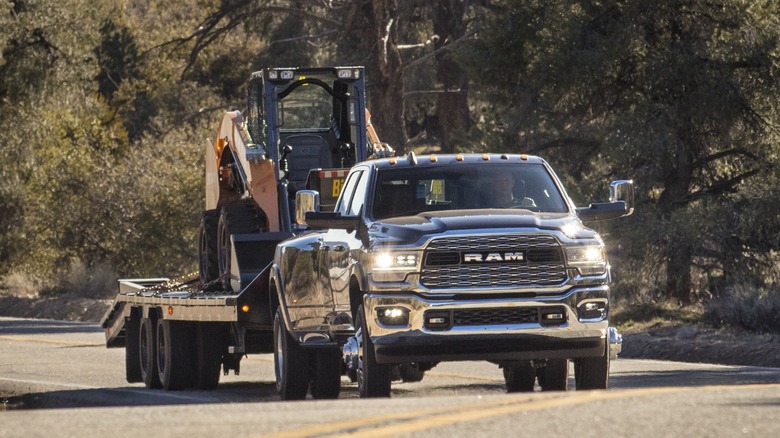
{"x": 445, "y": 258}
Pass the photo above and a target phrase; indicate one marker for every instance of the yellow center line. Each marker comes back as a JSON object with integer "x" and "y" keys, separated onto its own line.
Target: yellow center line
{"x": 345, "y": 425}
{"x": 47, "y": 341}
{"x": 427, "y": 419}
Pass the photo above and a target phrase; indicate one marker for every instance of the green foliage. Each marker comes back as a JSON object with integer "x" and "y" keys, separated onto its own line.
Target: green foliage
{"x": 747, "y": 309}
{"x": 104, "y": 112}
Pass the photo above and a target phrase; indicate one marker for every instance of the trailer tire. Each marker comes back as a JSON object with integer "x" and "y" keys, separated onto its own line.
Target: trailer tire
{"x": 554, "y": 376}
{"x": 519, "y": 377}
{"x": 374, "y": 378}
{"x": 208, "y": 356}
{"x": 173, "y": 352}
{"x": 132, "y": 349}
{"x": 592, "y": 372}
{"x": 326, "y": 375}
{"x": 207, "y": 249}
{"x": 147, "y": 353}
{"x": 291, "y": 363}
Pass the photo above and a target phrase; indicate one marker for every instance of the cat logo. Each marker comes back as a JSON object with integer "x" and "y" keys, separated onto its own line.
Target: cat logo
{"x": 482, "y": 257}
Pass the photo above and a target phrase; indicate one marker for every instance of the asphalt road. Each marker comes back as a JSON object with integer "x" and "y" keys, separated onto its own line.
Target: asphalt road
{"x": 77, "y": 388}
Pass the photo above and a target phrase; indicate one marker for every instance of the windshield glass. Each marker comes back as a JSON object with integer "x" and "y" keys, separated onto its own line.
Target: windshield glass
{"x": 409, "y": 191}
{"x": 307, "y": 107}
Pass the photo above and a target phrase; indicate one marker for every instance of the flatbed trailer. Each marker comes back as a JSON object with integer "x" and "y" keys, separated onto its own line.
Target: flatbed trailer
{"x": 303, "y": 129}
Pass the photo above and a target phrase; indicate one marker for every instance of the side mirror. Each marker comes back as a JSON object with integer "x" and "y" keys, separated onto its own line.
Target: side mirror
{"x": 621, "y": 203}
{"x": 305, "y": 200}
{"x": 622, "y": 190}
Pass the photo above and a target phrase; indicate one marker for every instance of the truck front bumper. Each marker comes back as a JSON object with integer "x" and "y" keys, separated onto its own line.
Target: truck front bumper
{"x": 411, "y": 328}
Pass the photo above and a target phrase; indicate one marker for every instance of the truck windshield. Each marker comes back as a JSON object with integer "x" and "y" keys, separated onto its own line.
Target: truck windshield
{"x": 410, "y": 191}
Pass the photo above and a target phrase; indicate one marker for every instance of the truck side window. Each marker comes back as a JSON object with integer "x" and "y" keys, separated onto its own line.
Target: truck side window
{"x": 348, "y": 193}
{"x": 358, "y": 199}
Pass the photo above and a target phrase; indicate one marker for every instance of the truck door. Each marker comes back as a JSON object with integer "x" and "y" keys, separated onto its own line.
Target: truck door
{"x": 341, "y": 244}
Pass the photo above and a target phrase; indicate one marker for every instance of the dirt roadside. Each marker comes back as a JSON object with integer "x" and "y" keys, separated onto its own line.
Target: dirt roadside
{"x": 666, "y": 341}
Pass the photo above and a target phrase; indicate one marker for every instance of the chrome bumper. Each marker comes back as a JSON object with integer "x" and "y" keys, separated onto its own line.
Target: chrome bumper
{"x": 415, "y": 337}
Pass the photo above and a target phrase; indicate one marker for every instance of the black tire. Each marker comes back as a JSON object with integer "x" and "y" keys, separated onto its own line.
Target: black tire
{"x": 592, "y": 372}
{"x": 519, "y": 377}
{"x": 554, "y": 376}
{"x": 291, "y": 363}
{"x": 147, "y": 353}
{"x": 410, "y": 372}
{"x": 326, "y": 374}
{"x": 208, "y": 356}
{"x": 207, "y": 249}
{"x": 132, "y": 349}
{"x": 373, "y": 378}
{"x": 173, "y": 354}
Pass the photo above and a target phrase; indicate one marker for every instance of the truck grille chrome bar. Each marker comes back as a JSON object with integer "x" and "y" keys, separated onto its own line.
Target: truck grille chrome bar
{"x": 517, "y": 260}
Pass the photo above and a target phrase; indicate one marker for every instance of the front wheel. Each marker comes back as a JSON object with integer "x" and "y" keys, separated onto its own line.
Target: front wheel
{"x": 373, "y": 378}
{"x": 592, "y": 372}
{"x": 291, "y": 363}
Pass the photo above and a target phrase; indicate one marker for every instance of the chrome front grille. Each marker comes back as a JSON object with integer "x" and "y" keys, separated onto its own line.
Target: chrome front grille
{"x": 543, "y": 264}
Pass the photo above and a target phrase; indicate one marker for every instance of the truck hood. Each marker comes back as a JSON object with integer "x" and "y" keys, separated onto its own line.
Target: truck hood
{"x": 409, "y": 229}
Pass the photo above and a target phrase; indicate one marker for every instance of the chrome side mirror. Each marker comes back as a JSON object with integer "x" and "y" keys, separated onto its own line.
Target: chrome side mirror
{"x": 305, "y": 200}
{"x": 622, "y": 190}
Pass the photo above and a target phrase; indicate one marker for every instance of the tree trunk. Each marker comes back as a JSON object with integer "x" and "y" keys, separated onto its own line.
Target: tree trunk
{"x": 384, "y": 76}
{"x": 678, "y": 177}
{"x": 452, "y": 107}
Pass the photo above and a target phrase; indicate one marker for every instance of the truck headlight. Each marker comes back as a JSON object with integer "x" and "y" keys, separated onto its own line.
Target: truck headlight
{"x": 393, "y": 265}
{"x": 589, "y": 259}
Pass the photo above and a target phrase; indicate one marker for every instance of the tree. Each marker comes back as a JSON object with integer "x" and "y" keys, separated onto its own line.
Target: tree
{"x": 676, "y": 94}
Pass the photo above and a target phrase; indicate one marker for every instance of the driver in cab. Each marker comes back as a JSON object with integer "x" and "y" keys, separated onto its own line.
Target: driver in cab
{"x": 503, "y": 193}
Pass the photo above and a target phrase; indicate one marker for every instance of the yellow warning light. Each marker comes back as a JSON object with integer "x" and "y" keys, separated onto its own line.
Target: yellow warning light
{"x": 170, "y": 310}
{"x": 485, "y": 157}
{"x": 245, "y": 308}
{"x": 434, "y": 159}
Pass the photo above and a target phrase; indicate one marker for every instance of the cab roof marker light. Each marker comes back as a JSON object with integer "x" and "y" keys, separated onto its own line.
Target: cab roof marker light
{"x": 485, "y": 157}
{"x": 433, "y": 158}
{"x": 392, "y": 161}
{"x": 459, "y": 157}
{"x": 524, "y": 157}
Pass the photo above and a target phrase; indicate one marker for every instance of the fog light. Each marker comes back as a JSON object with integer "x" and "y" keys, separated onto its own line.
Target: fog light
{"x": 552, "y": 315}
{"x": 438, "y": 320}
{"x": 592, "y": 310}
{"x": 393, "y": 316}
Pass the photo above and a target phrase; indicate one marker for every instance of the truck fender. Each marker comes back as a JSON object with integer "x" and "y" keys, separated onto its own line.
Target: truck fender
{"x": 278, "y": 288}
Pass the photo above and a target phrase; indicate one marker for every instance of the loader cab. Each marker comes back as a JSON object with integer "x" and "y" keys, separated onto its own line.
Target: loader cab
{"x": 308, "y": 118}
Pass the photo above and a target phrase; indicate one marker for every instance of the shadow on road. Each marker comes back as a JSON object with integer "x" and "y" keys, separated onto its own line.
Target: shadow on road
{"x": 45, "y": 326}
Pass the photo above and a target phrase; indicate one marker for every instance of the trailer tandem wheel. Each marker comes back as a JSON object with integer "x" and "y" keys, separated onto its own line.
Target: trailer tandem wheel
{"x": 208, "y": 356}
{"x": 173, "y": 353}
{"x": 132, "y": 348}
{"x": 147, "y": 353}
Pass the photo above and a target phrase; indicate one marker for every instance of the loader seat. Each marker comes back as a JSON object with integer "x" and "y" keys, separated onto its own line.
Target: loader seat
{"x": 309, "y": 151}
